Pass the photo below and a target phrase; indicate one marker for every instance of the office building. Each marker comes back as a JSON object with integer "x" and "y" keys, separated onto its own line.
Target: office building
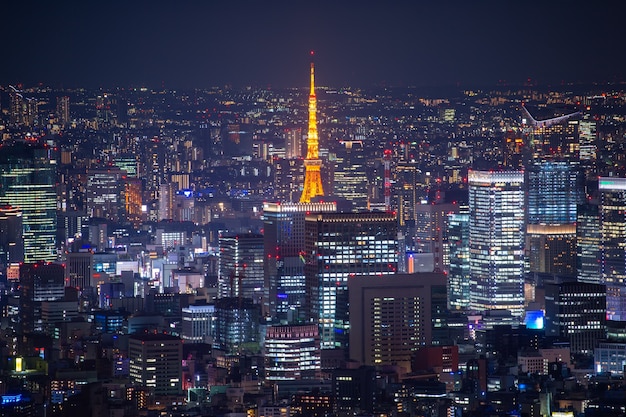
{"x": 27, "y": 182}
{"x": 576, "y": 311}
{"x": 104, "y": 197}
{"x": 339, "y": 246}
{"x": 236, "y": 324}
{"x": 292, "y": 352}
{"x": 459, "y": 267}
{"x": 63, "y": 110}
{"x": 431, "y": 226}
{"x": 588, "y": 243}
{"x": 554, "y": 191}
{"x": 240, "y": 271}
{"x": 551, "y": 249}
{"x": 156, "y": 362}
{"x": 391, "y": 316}
{"x": 79, "y": 269}
{"x": 283, "y": 247}
{"x": 612, "y": 243}
{"x": 11, "y": 242}
{"x": 40, "y": 281}
{"x": 496, "y": 203}
{"x": 198, "y": 323}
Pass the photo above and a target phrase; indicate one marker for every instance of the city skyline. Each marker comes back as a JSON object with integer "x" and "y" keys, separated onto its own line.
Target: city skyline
{"x": 198, "y": 44}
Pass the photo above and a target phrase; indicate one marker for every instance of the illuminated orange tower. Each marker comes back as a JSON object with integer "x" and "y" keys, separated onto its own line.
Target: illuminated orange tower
{"x": 312, "y": 163}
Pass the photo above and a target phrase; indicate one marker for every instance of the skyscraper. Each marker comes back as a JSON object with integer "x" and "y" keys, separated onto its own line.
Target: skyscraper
{"x": 496, "y": 202}
{"x": 459, "y": 269}
{"x": 27, "y": 182}
{"x": 11, "y": 242}
{"x": 241, "y": 266}
{"x": 40, "y": 281}
{"x": 339, "y": 246}
{"x": 554, "y": 191}
{"x": 612, "y": 243}
{"x": 283, "y": 242}
{"x": 312, "y": 163}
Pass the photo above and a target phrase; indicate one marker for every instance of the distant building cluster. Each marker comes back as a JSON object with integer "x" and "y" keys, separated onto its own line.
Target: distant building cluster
{"x": 313, "y": 252}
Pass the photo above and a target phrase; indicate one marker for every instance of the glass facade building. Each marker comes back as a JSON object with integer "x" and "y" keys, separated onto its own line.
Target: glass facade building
{"x": 459, "y": 269}
{"x": 496, "y": 240}
{"x": 339, "y": 247}
{"x": 240, "y": 271}
{"x": 554, "y": 191}
{"x": 27, "y": 182}
{"x": 283, "y": 242}
{"x": 613, "y": 244}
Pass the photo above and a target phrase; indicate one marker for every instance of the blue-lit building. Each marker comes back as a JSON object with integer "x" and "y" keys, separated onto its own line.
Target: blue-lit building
{"x": 338, "y": 247}
{"x": 554, "y": 191}
{"x": 496, "y": 240}
{"x": 459, "y": 267}
{"x": 236, "y": 323}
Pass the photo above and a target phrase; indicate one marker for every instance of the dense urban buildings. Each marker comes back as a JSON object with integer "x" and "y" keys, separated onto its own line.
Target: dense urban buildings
{"x": 430, "y": 252}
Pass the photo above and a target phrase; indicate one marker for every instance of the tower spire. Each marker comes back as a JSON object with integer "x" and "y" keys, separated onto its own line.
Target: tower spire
{"x": 312, "y": 163}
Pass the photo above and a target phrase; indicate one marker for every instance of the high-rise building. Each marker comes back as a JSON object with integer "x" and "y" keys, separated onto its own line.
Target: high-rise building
{"x": 283, "y": 243}
{"x": 576, "y": 311}
{"x": 350, "y": 175}
{"x": 240, "y": 271}
{"x": 288, "y": 177}
{"x": 588, "y": 243}
{"x": 496, "y": 203}
{"x": 430, "y": 232}
{"x": 11, "y": 242}
{"x": 459, "y": 268}
{"x": 391, "y": 316}
{"x": 551, "y": 248}
{"x": 612, "y": 243}
{"x": 293, "y": 143}
{"x": 236, "y": 324}
{"x": 339, "y": 246}
{"x": 40, "y": 281}
{"x": 156, "y": 362}
{"x": 312, "y": 163}
{"x": 554, "y": 191}
{"x": 79, "y": 269}
{"x": 27, "y": 182}
{"x": 104, "y": 193}
{"x": 133, "y": 201}
{"x": 63, "y": 110}
{"x": 292, "y": 352}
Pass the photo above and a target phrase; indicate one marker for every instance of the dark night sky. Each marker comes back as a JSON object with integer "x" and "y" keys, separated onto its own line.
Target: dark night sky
{"x": 183, "y": 44}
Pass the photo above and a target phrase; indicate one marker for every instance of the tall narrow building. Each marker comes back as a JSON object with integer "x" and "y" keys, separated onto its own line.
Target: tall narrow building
{"x": 496, "y": 240}
{"x": 312, "y": 163}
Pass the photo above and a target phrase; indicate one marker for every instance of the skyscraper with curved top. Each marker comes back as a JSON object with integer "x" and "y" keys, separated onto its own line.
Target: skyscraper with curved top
{"x": 312, "y": 163}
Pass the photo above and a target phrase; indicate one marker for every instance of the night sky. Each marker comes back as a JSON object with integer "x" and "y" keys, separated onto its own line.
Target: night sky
{"x": 183, "y": 44}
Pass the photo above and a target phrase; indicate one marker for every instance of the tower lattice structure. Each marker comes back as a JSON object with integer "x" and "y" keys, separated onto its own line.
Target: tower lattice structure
{"x": 312, "y": 163}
